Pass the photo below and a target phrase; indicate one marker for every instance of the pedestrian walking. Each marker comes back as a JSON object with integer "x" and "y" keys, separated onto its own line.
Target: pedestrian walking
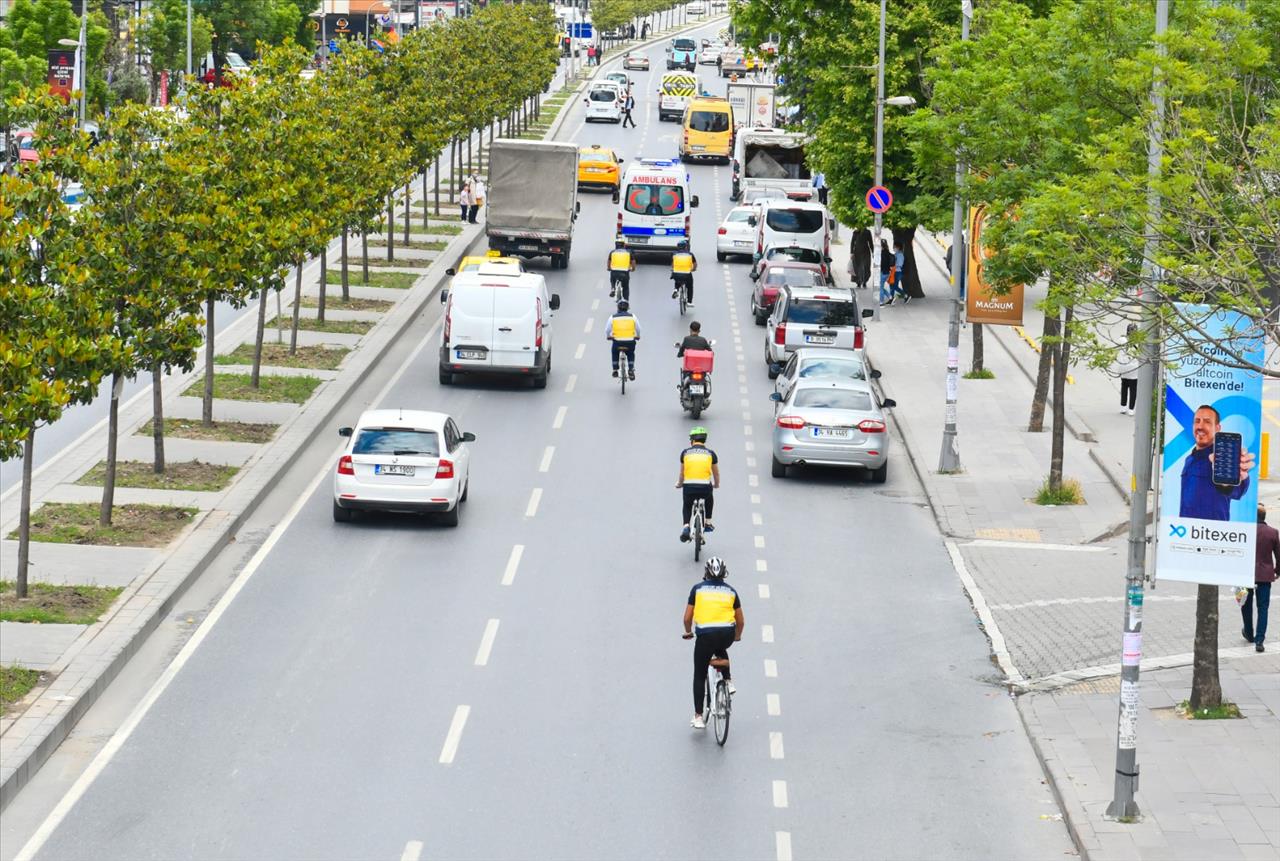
{"x": 477, "y": 196}
{"x": 964, "y": 270}
{"x": 886, "y": 274}
{"x": 1266, "y": 559}
{"x": 465, "y": 199}
{"x": 591, "y": 55}
{"x": 820, "y": 183}
{"x": 895, "y": 280}
{"x": 628, "y": 105}
{"x": 1126, "y": 368}
{"x": 860, "y": 258}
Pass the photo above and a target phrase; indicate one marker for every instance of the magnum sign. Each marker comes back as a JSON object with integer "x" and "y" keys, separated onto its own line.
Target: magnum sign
{"x": 62, "y": 72}
{"x": 980, "y": 305}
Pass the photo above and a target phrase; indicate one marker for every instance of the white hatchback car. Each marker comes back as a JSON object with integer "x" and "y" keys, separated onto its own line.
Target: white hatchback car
{"x": 410, "y": 461}
{"x": 736, "y": 235}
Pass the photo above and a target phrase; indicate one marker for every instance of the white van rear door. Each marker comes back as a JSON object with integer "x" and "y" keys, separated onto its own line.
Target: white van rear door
{"x": 515, "y": 324}
{"x": 471, "y": 325}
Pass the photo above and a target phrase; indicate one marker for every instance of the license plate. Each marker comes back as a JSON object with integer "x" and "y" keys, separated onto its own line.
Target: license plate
{"x": 696, "y": 389}
{"x": 471, "y": 354}
{"x": 831, "y": 433}
{"x": 742, "y": 243}
{"x": 527, "y": 247}
{"x": 393, "y": 469}
{"x": 637, "y": 240}
{"x": 698, "y": 148}
{"x": 819, "y": 339}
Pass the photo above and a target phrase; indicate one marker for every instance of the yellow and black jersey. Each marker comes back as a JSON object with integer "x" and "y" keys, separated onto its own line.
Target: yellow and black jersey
{"x": 713, "y": 603}
{"x": 696, "y": 461}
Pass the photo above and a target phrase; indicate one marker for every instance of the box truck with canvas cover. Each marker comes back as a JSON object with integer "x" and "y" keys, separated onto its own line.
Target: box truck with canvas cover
{"x": 771, "y": 157}
{"x": 533, "y": 199}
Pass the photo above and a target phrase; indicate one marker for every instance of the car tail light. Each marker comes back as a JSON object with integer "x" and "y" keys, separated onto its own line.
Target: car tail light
{"x": 345, "y": 466}
{"x": 780, "y": 334}
{"x": 790, "y": 422}
{"x": 722, "y": 231}
{"x": 697, "y": 376}
{"x": 537, "y": 330}
{"x": 871, "y": 426}
{"x": 445, "y": 469}
{"x": 857, "y": 338}
{"x": 448, "y": 320}
{"x": 619, "y": 224}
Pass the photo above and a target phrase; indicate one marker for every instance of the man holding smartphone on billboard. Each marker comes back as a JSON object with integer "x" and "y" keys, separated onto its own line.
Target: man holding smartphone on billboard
{"x": 1216, "y": 471}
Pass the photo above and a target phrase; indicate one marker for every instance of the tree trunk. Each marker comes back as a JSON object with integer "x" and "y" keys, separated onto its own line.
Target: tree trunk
{"x": 157, "y": 418}
{"x": 976, "y": 367}
{"x": 297, "y": 308}
{"x": 1061, "y": 363}
{"x": 206, "y": 408}
{"x": 469, "y": 164}
{"x": 24, "y": 514}
{"x": 113, "y": 446}
{"x": 408, "y": 193}
{"x": 1206, "y": 687}
{"x": 256, "y": 374}
{"x": 364, "y": 256}
{"x": 346, "y": 274}
{"x": 424, "y": 196}
{"x": 1036, "y": 424}
{"x": 391, "y": 225}
{"x": 324, "y": 279}
{"x": 437, "y": 189}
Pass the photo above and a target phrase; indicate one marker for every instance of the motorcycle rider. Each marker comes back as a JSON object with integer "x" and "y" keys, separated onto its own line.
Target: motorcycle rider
{"x": 693, "y": 340}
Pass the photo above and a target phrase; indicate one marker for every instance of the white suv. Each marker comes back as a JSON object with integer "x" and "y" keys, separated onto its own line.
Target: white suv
{"x": 812, "y": 317}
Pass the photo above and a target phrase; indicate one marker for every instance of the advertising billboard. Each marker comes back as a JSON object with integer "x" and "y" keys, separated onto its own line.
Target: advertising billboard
{"x": 62, "y": 72}
{"x": 1208, "y": 470}
{"x": 980, "y": 304}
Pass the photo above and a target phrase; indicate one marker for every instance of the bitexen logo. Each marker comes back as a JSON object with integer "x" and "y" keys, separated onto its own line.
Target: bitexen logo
{"x": 1177, "y": 530}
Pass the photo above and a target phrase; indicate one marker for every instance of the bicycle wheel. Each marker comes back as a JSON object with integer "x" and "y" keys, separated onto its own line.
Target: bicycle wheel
{"x": 684, "y": 302}
{"x": 721, "y": 712}
{"x": 697, "y": 536}
{"x": 708, "y": 703}
{"x": 622, "y": 371}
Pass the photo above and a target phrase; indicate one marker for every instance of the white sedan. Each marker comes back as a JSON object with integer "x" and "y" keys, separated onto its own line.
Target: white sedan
{"x": 410, "y": 461}
{"x": 736, "y": 234}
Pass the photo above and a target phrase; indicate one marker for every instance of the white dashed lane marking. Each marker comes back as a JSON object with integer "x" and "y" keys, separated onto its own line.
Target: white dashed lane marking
{"x": 770, "y": 671}
{"x": 560, "y": 413}
{"x": 773, "y": 704}
{"x": 568, "y": 387}
{"x": 782, "y": 840}
{"x": 775, "y": 745}
{"x": 513, "y": 562}
{"x": 486, "y": 643}
{"x": 763, "y": 590}
{"x": 412, "y": 851}
{"x": 766, "y": 633}
{"x": 582, "y": 348}
{"x": 454, "y": 737}
{"x": 762, "y": 565}
{"x": 534, "y": 498}
{"x": 547, "y": 454}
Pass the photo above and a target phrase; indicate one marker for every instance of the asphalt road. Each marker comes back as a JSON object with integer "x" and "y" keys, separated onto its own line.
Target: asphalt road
{"x": 396, "y": 689}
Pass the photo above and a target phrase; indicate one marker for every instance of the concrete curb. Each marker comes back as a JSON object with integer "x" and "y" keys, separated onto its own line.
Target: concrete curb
{"x": 1063, "y": 792}
{"x": 104, "y": 648}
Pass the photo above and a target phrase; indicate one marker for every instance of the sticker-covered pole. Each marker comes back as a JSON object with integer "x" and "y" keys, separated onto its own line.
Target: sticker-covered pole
{"x": 1123, "y": 804}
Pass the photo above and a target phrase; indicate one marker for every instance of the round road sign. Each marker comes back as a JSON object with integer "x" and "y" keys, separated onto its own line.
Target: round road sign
{"x": 879, "y": 199}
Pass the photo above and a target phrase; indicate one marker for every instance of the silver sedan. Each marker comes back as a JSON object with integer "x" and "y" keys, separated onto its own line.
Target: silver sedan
{"x": 821, "y": 363}
{"x": 831, "y": 423}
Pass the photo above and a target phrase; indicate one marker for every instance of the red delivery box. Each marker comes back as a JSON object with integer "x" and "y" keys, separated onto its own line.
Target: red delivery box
{"x": 699, "y": 361}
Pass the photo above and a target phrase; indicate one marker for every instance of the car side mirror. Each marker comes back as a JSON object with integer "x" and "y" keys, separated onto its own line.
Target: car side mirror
{"x": 868, "y": 312}
{"x": 444, "y": 296}
{"x": 346, "y": 431}
{"x": 775, "y": 396}
{"x": 776, "y": 367}
{"x": 577, "y": 207}
{"x": 888, "y": 403}
{"x": 831, "y": 224}
{"x": 694, "y": 202}
{"x": 468, "y": 437}
{"x": 451, "y": 272}
{"x": 555, "y": 301}
{"x": 875, "y": 375}
{"x": 827, "y": 259}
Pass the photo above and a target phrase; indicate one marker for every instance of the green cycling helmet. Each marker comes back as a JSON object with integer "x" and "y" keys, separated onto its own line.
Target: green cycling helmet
{"x": 699, "y": 431}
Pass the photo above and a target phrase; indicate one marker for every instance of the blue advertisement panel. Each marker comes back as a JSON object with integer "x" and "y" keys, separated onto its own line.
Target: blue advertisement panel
{"x": 1212, "y": 434}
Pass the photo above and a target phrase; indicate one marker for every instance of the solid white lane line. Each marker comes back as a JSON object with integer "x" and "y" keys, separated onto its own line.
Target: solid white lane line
{"x": 775, "y": 745}
{"x": 450, "y": 749}
{"x": 766, "y": 633}
{"x": 756, "y": 518}
{"x": 763, "y": 589}
{"x": 782, "y": 841}
{"x": 559, "y": 420}
{"x": 591, "y": 323}
{"x": 762, "y": 565}
{"x": 534, "y": 499}
{"x": 412, "y": 851}
{"x": 513, "y": 562}
{"x": 573, "y": 381}
{"x": 779, "y": 793}
{"x": 770, "y": 670}
{"x": 582, "y": 348}
{"x": 773, "y": 704}
{"x": 546, "y": 458}
{"x": 759, "y": 540}
{"x": 486, "y": 643}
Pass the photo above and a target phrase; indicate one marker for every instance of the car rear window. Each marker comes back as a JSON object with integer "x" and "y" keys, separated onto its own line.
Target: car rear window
{"x": 822, "y": 312}
{"x": 799, "y": 255}
{"x": 833, "y": 368}
{"x": 603, "y": 94}
{"x": 404, "y": 441}
{"x": 684, "y": 45}
{"x": 795, "y": 220}
{"x": 646, "y": 199}
{"x": 834, "y": 399}
{"x": 595, "y": 157}
{"x": 708, "y": 121}
{"x": 739, "y": 215}
{"x": 793, "y": 277}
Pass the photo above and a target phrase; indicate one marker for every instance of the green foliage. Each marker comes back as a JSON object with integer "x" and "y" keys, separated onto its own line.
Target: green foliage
{"x": 1068, "y": 492}
{"x": 163, "y": 36}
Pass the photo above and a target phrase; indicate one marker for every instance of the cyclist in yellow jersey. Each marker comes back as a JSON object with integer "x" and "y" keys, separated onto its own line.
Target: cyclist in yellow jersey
{"x": 683, "y": 265}
{"x": 699, "y": 475}
{"x": 714, "y": 612}
{"x": 620, "y": 264}
{"x": 622, "y": 331}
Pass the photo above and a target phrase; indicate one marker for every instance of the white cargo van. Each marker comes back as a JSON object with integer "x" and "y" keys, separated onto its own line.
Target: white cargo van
{"x": 497, "y": 321}
{"x": 793, "y": 223}
{"x": 604, "y": 102}
{"x": 656, "y": 204}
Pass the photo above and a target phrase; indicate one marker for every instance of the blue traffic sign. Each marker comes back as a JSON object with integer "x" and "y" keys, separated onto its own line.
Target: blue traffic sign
{"x": 879, "y": 199}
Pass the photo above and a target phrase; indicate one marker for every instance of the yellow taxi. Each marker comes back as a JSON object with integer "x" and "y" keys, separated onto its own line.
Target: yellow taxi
{"x": 471, "y": 264}
{"x": 598, "y": 167}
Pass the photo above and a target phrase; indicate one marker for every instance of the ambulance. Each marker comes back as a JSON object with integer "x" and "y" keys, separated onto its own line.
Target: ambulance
{"x": 656, "y": 205}
{"x": 674, "y": 94}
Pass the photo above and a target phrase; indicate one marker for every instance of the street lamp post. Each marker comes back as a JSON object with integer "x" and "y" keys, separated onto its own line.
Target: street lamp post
{"x": 79, "y": 82}
{"x": 881, "y": 101}
{"x": 189, "y": 67}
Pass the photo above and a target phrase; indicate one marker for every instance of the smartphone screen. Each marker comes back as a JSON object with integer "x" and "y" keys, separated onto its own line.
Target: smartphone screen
{"x": 1226, "y": 458}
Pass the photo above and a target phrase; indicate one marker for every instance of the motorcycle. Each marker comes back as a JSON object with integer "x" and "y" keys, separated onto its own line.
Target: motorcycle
{"x": 695, "y": 380}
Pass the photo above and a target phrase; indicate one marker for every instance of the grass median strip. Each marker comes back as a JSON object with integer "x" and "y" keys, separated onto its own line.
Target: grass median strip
{"x": 433, "y": 226}
{"x": 183, "y": 475}
{"x": 278, "y": 355}
{"x": 334, "y": 327}
{"x": 218, "y": 431}
{"x": 15, "y": 683}
{"x": 355, "y": 303}
{"x": 132, "y": 525}
{"x": 236, "y": 387}
{"x": 392, "y": 280}
{"x": 415, "y": 245}
{"x": 52, "y": 604}
{"x": 401, "y": 263}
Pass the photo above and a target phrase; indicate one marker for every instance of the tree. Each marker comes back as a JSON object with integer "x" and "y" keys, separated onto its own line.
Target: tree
{"x": 163, "y": 38}
{"x": 55, "y": 334}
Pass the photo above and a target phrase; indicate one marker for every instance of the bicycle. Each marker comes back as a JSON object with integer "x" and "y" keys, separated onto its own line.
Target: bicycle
{"x": 619, "y": 286}
{"x": 682, "y": 294}
{"x": 696, "y": 520}
{"x": 624, "y": 369}
{"x": 717, "y": 700}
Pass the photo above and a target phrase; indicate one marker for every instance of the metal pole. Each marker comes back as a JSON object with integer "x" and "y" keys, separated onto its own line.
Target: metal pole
{"x": 188, "y": 37}
{"x": 949, "y": 459}
{"x": 1123, "y": 805}
{"x": 875, "y": 233}
{"x": 84, "y": 58}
